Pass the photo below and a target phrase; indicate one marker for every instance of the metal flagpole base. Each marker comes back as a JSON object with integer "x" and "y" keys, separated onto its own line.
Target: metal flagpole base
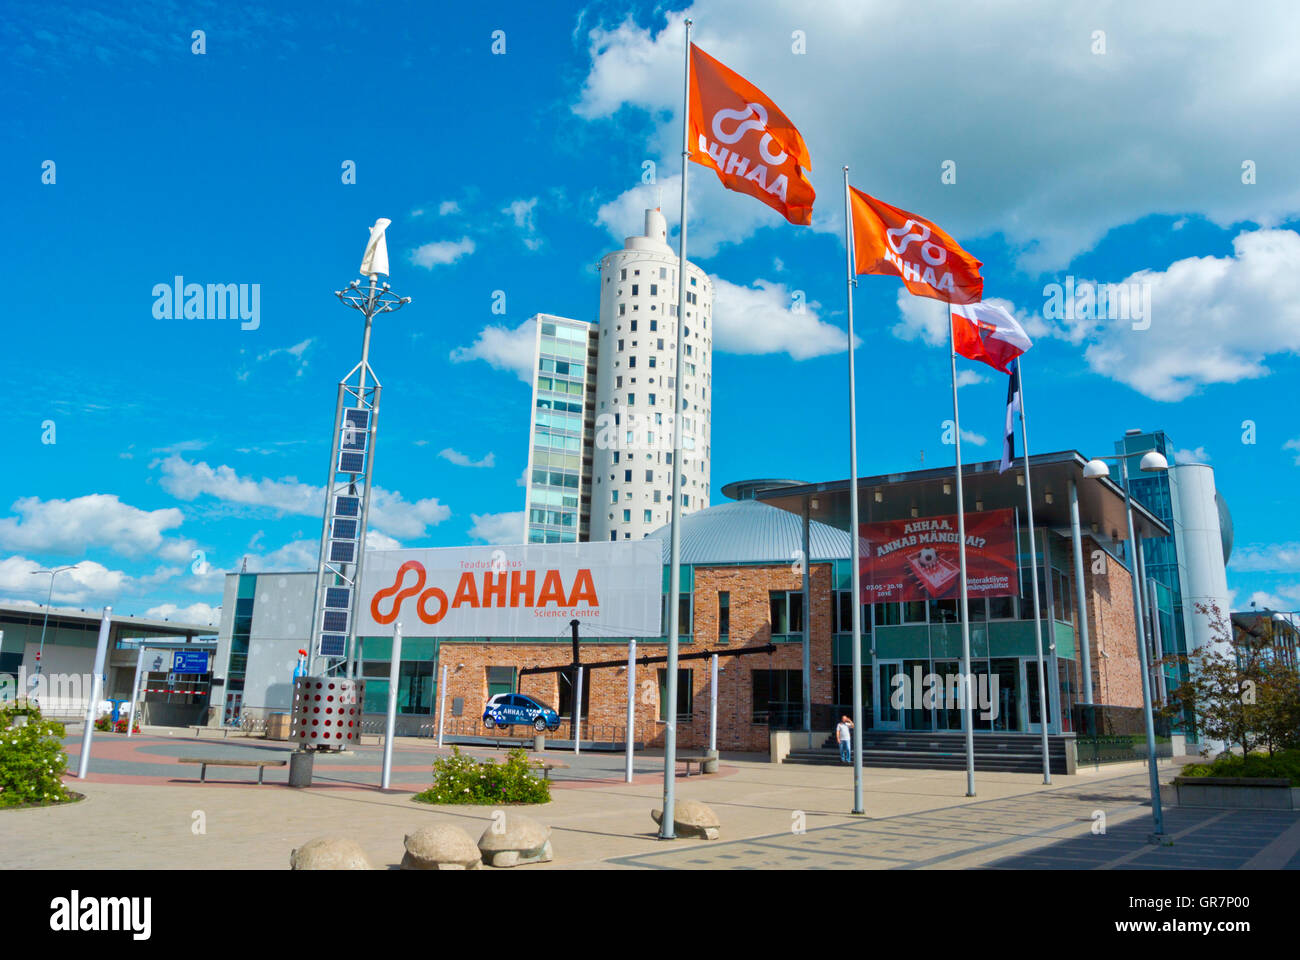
{"x": 1159, "y": 840}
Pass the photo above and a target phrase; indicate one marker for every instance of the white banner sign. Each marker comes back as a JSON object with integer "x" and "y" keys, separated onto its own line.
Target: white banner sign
{"x": 532, "y": 590}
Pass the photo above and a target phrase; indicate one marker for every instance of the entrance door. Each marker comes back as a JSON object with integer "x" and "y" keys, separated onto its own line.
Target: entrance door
{"x": 888, "y": 716}
{"x": 1031, "y": 700}
{"x": 234, "y": 702}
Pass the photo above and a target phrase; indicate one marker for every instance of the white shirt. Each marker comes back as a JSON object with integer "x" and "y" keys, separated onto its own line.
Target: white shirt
{"x": 842, "y": 732}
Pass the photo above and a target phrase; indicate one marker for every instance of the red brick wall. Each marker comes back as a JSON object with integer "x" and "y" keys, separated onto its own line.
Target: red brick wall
{"x": 1116, "y": 678}
{"x": 750, "y": 626}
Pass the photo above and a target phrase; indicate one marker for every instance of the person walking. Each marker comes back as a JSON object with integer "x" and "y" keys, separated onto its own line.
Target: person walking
{"x": 844, "y": 737}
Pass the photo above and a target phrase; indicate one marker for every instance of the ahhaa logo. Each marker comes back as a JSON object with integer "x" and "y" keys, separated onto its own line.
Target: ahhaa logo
{"x": 179, "y": 300}
{"x": 498, "y": 590}
{"x": 73, "y": 914}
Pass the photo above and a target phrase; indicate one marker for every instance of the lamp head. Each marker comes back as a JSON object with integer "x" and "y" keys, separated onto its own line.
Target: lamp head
{"x": 1095, "y": 470}
{"x": 1153, "y": 462}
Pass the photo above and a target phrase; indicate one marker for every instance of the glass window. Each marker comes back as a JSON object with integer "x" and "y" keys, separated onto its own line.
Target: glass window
{"x": 913, "y": 611}
{"x": 685, "y": 695}
{"x": 724, "y": 614}
{"x": 778, "y": 697}
{"x": 887, "y": 614}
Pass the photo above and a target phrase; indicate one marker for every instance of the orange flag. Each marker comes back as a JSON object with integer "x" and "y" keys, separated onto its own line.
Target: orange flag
{"x": 744, "y": 136}
{"x": 896, "y": 243}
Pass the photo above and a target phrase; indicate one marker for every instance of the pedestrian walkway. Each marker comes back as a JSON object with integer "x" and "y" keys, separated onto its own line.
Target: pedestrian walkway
{"x": 1078, "y": 827}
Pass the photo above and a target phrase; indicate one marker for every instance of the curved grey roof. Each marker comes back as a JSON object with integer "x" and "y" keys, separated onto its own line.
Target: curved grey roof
{"x": 749, "y": 531}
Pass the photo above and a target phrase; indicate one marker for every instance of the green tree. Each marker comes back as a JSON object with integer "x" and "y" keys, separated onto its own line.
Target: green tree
{"x": 32, "y": 760}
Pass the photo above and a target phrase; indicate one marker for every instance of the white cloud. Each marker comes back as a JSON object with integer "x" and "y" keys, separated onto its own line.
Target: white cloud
{"x": 461, "y": 460}
{"x": 971, "y": 437}
{"x": 68, "y": 527}
{"x": 1293, "y": 445}
{"x": 716, "y": 216}
{"x": 89, "y": 582}
{"x": 1211, "y": 90}
{"x": 1197, "y": 455}
{"x": 968, "y": 378}
{"x": 761, "y": 319}
{"x": 503, "y": 349}
{"x": 498, "y": 527}
{"x": 389, "y": 511}
{"x": 1213, "y": 319}
{"x": 522, "y": 213}
{"x": 195, "y": 613}
{"x": 441, "y": 252}
{"x": 523, "y": 477}
{"x": 448, "y": 207}
{"x": 1266, "y": 558}
{"x": 378, "y": 540}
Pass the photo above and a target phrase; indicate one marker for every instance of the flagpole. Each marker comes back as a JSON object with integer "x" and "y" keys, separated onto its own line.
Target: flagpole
{"x": 675, "y": 545}
{"x": 1033, "y": 567}
{"x": 967, "y": 719}
{"x": 854, "y": 538}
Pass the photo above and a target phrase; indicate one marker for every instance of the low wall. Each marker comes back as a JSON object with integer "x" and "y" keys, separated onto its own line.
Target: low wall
{"x": 1236, "y": 793}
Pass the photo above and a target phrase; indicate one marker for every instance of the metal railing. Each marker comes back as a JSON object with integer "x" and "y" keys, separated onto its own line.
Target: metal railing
{"x": 591, "y": 732}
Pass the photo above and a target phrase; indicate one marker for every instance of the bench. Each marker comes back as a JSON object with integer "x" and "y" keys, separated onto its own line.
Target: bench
{"x": 698, "y": 761}
{"x": 198, "y": 729}
{"x": 546, "y": 766}
{"x": 205, "y": 763}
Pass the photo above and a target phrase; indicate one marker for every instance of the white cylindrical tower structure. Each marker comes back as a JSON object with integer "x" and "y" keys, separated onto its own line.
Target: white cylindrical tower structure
{"x": 631, "y": 486}
{"x": 1199, "y": 540}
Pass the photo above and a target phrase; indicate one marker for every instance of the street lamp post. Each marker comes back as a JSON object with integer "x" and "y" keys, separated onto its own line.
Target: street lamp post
{"x": 40, "y": 652}
{"x": 1153, "y": 461}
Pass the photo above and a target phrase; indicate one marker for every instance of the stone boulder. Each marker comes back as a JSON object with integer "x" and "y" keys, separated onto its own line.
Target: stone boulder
{"x": 513, "y": 839}
{"x": 691, "y": 819}
{"x": 329, "y": 853}
{"x": 442, "y": 846}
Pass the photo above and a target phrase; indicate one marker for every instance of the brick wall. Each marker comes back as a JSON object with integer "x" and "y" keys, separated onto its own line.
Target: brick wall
{"x": 1116, "y": 678}
{"x": 750, "y": 626}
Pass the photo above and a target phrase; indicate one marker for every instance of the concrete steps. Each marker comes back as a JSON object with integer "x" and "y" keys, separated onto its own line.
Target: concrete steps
{"x": 943, "y": 750}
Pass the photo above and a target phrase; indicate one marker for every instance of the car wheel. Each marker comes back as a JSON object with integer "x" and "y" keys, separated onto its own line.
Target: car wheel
{"x": 539, "y": 724}
{"x": 487, "y": 723}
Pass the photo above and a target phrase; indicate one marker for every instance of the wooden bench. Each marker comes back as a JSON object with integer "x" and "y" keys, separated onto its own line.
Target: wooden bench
{"x": 698, "y": 761}
{"x": 546, "y": 766}
{"x": 205, "y": 763}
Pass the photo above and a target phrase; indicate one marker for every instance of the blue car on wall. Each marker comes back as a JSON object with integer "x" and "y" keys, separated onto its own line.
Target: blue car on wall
{"x": 507, "y": 709}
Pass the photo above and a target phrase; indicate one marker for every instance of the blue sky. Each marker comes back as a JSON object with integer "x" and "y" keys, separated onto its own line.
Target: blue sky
{"x": 1149, "y": 154}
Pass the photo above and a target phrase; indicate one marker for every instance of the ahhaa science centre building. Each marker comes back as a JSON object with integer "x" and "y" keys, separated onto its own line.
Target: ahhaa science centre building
{"x": 743, "y": 589}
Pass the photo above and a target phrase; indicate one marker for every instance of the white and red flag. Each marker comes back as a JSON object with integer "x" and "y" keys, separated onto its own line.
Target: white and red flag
{"x": 989, "y": 333}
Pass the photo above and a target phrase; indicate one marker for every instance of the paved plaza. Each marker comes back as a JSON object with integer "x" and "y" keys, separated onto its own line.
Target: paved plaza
{"x": 145, "y": 810}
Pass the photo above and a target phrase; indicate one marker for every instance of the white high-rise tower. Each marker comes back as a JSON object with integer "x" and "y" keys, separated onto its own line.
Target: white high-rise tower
{"x": 631, "y": 482}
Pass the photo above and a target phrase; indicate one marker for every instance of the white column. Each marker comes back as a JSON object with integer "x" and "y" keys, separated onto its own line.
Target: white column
{"x": 96, "y": 684}
{"x": 631, "y": 705}
{"x": 394, "y": 672}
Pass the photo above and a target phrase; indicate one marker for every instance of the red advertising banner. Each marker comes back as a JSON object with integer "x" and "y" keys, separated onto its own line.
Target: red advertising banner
{"x": 918, "y": 559}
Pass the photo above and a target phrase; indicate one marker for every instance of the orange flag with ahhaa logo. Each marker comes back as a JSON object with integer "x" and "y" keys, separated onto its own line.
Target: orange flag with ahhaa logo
{"x": 896, "y": 243}
{"x": 744, "y": 136}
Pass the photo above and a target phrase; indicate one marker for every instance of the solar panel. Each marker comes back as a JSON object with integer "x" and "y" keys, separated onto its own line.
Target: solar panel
{"x": 347, "y": 506}
{"x": 351, "y": 462}
{"x": 339, "y": 598}
{"x": 344, "y": 529}
{"x": 333, "y": 645}
{"x": 343, "y": 551}
{"x": 335, "y": 621}
{"x": 357, "y": 417}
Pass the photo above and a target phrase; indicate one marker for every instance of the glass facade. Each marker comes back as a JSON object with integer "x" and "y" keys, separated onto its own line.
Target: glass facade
{"x": 559, "y": 464}
{"x": 905, "y": 644}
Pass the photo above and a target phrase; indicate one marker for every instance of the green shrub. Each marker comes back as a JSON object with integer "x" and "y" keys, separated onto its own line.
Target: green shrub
{"x": 1283, "y": 765}
{"x": 103, "y": 723}
{"x": 32, "y": 760}
{"x": 462, "y": 779}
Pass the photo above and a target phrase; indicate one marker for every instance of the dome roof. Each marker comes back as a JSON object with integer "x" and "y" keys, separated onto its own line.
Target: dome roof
{"x": 749, "y": 531}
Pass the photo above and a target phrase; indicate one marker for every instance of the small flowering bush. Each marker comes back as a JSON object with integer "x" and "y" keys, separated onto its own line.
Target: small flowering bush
{"x": 105, "y": 723}
{"x": 32, "y": 760}
{"x": 462, "y": 779}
